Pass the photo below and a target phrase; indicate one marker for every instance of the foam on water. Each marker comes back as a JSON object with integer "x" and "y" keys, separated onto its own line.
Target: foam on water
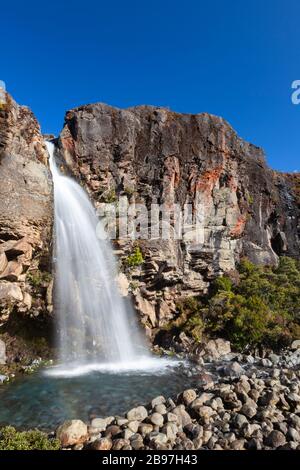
{"x": 143, "y": 366}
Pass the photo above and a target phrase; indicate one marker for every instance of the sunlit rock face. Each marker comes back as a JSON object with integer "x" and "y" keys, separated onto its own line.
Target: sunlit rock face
{"x": 25, "y": 214}
{"x": 150, "y": 154}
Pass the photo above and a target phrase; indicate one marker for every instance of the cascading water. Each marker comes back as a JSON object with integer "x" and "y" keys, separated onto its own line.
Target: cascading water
{"x": 95, "y": 324}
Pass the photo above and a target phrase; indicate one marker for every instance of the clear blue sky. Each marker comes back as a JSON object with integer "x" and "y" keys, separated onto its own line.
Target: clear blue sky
{"x": 233, "y": 58}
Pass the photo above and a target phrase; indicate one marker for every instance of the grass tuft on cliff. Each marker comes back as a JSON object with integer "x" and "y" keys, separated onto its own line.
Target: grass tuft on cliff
{"x": 11, "y": 439}
{"x": 262, "y": 308}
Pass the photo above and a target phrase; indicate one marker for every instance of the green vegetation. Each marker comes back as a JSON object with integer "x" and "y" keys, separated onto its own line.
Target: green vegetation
{"x": 38, "y": 278}
{"x": 261, "y": 309}
{"x": 135, "y": 259}
{"x": 109, "y": 196}
{"x": 10, "y": 439}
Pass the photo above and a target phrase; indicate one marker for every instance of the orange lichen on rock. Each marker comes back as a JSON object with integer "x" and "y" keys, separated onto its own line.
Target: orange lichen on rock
{"x": 239, "y": 227}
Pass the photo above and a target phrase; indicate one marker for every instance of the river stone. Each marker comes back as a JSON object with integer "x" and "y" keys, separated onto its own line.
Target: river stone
{"x": 205, "y": 413}
{"x": 293, "y": 434}
{"x": 158, "y": 437}
{"x": 157, "y": 419}
{"x": 72, "y": 432}
{"x": 170, "y": 430}
{"x": 112, "y": 430}
{"x": 233, "y": 370}
{"x": 127, "y": 433}
{"x": 295, "y": 344}
{"x": 100, "y": 423}
{"x": 160, "y": 400}
{"x": 249, "y": 408}
{"x": 137, "y": 414}
{"x": 2, "y": 352}
{"x": 182, "y": 415}
{"x": 266, "y": 362}
{"x": 172, "y": 417}
{"x": 160, "y": 409}
{"x": 145, "y": 428}
{"x": 240, "y": 420}
{"x": 188, "y": 396}
{"x": 105, "y": 443}
{"x": 119, "y": 444}
{"x": 275, "y": 439}
{"x": 239, "y": 444}
{"x": 133, "y": 426}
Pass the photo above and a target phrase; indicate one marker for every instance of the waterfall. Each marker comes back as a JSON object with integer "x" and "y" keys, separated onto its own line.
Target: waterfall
{"x": 95, "y": 323}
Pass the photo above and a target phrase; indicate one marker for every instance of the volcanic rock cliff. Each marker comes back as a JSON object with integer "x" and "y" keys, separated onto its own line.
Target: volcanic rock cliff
{"x": 151, "y": 154}
{"x": 145, "y": 154}
{"x": 25, "y": 219}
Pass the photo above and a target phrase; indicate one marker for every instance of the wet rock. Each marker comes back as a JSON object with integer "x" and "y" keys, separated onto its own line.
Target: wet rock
{"x": 72, "y": 432}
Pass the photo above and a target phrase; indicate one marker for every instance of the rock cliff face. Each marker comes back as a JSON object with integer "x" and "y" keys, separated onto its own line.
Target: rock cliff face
{"x": 25, "y": 216}
{"x": 150, "y": 154}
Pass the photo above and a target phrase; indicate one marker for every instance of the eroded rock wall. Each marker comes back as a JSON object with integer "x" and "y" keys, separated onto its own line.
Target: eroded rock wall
{"x": 150, "y": 154}
{"x": 25, "y": 216}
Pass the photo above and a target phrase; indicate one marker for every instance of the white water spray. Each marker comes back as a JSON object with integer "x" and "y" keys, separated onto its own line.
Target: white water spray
{"x": 95, "y": 324}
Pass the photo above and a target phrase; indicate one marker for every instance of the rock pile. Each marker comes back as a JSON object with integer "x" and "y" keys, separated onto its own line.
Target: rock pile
{"x": 240, "y": 412}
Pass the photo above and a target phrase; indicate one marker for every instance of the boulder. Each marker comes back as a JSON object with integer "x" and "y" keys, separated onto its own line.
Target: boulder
{"x": 233, "y": 370}
{"x": 275, "y": 439}
{"x": 72, "y": 432}
{"x": 213, "y": 349}
{"x": 12, "y": 271}
{"x": 157, "y": 419}
{"x": 3, "y": 262}
{"x": 295, "y": 344}
{"x": 105, "y": 443}
{"x": 10, "y": 292}
{"x": 137, "y": 414}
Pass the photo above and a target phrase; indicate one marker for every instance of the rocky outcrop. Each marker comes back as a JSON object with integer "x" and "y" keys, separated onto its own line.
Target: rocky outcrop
{"x": 148, "y": 155}
{"x": 25, "y": 215}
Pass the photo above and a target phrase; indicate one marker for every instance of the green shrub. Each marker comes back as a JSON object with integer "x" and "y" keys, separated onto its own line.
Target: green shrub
{"x": 262, "y": 309}
{"x": 135, "y": 259}
{"x": 10, "y": 439}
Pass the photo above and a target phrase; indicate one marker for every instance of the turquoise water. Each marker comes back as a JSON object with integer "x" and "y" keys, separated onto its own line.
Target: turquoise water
{"x": 45, "y": 401}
